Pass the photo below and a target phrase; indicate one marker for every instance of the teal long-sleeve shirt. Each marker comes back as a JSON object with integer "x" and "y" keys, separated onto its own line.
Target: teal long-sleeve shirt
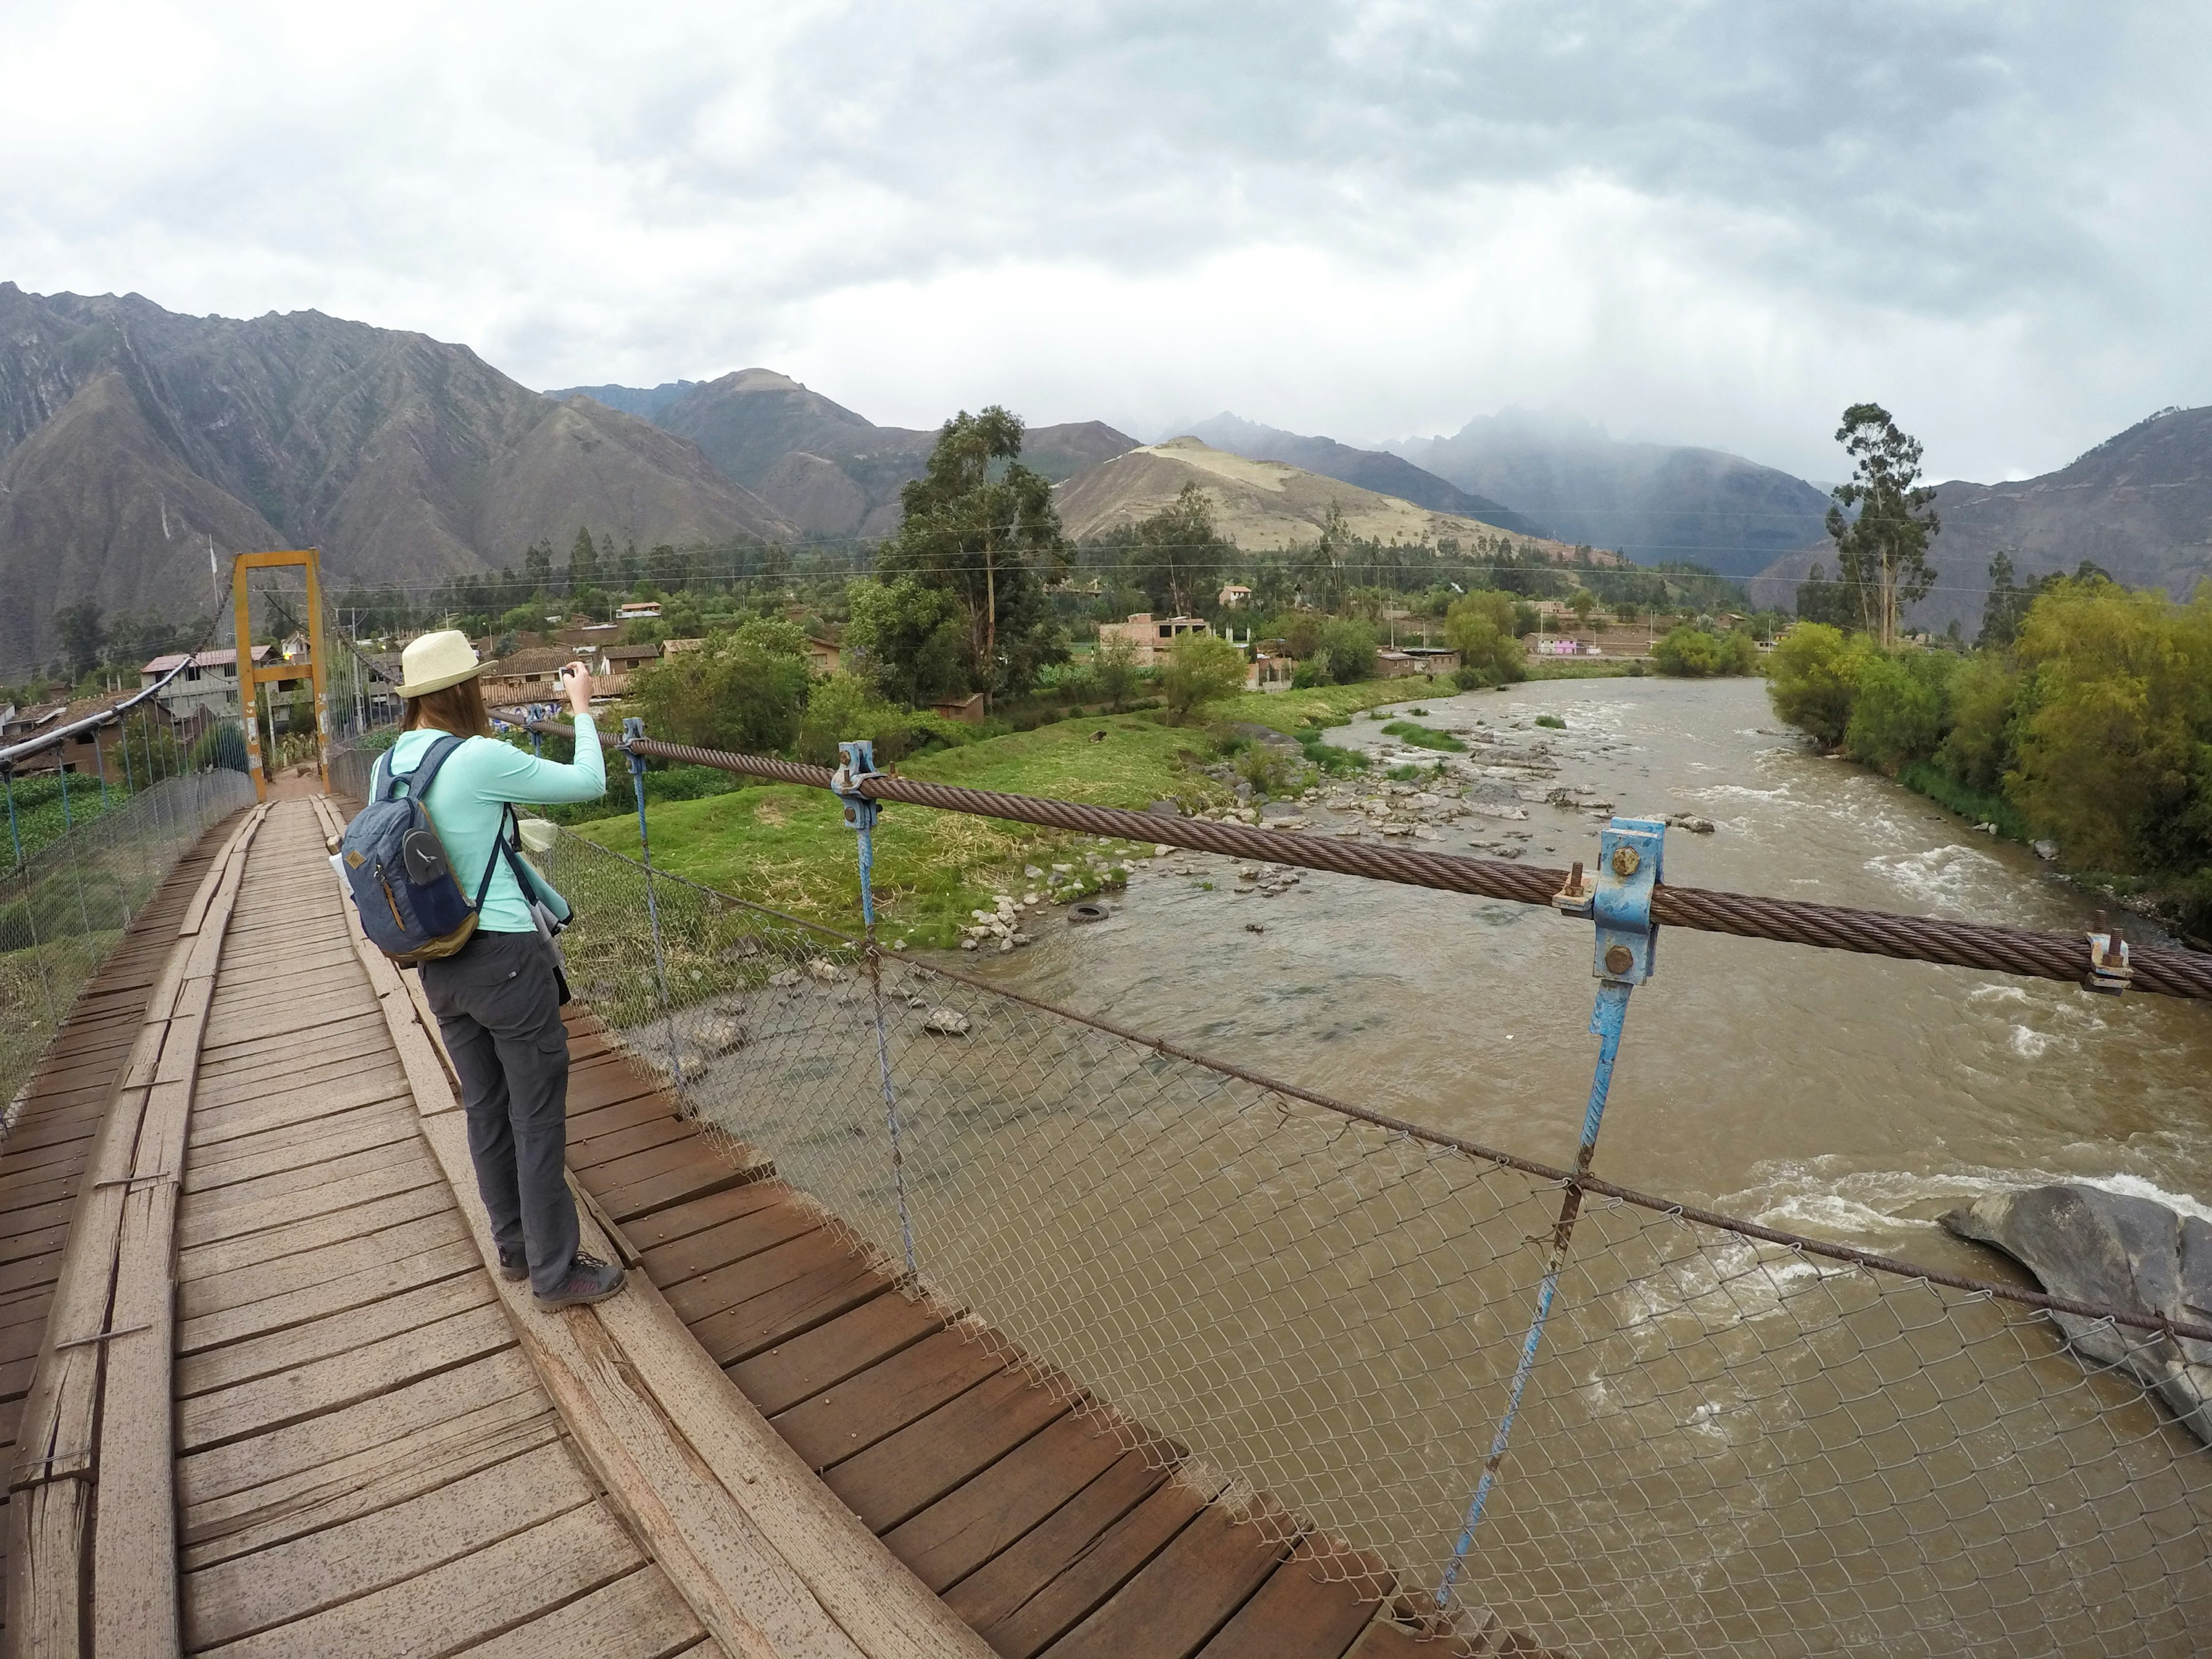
{"x": 472, "y": 793}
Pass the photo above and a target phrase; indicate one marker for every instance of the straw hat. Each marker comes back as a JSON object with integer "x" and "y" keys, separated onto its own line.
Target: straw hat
{"x": 437, "y": 660}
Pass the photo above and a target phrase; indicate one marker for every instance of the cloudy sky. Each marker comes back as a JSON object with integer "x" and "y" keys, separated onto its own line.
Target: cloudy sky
{"x": 1712, "y": 223}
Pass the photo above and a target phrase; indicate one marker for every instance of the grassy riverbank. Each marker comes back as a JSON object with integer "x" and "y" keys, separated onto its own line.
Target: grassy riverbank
{"x": 787, "y": 847}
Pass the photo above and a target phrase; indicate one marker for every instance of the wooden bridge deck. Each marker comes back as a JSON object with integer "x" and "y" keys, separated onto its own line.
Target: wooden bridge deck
{"x": 376, "y": 1447}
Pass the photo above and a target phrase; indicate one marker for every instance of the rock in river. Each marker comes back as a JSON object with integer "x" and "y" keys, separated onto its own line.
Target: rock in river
{"x": 947, "y": 1022}
{"x": 2118, "y": 1251}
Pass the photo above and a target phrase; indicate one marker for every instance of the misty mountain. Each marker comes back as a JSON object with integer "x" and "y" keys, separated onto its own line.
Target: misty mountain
{"x": 2139, "y": 505}
{"x": 129, "y": 435}
{"x": 828, "y": 470}
{"x": 647, "y": 403}
{"x": 1656, "y": 502}
{"x": 1370, "y": 468}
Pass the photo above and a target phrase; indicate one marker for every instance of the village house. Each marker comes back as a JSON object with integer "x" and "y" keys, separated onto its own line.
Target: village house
{"x": 528, "y": 676}
{"x": 1235, "y": 597}
{"x": 209, "y": 685}
{"x": 1152, "y": 636}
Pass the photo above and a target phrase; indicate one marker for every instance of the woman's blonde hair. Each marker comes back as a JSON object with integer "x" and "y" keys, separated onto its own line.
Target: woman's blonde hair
{"x": 459, "y": 709}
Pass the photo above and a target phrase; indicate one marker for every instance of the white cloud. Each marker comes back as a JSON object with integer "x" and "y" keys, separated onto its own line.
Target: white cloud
{"x": 1713, "y": 222}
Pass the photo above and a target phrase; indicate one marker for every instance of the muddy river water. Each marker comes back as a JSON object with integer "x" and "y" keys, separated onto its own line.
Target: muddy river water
{"x": 1847, "y": 1096}
{"x": 1726, "y": 1448}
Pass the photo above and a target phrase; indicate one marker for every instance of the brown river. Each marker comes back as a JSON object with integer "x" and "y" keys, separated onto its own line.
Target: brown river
{"x": 1847, "y": 1096}
{"x": 1725, "y": 1448}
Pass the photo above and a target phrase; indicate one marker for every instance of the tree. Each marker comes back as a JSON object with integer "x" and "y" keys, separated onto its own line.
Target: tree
{"x": 1582, "y": 602}
{"x": 1480, "y": 627}
{"x": 1900, "y": 706}
{"x": 843, "y": 708}
{"x": 978, "y": 524}
{"x": 1201, "y": 669}
{"x": 909, "y": 638}
{"x": 1347, "y": 649}
{"x": 1883, "y": 550}
{"x": 80, "y": 635}
{"x": 583, "y": 561}
{"x": 537, "y": 566}
{"x": 1177, "y": 554}
{"x": 724, "y": 694}
{"x": 1113, "y": 669}
{"x": 1813, "y": 678}
{"x": 2005, "y": 608}
{"x": 1836, "y": 604}
{"x": 1979, "y": 747}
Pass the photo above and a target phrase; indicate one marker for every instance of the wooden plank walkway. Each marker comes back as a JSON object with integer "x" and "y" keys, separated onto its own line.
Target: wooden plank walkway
{"x": 1029, "y": 1517}
{"x": 374, "y": 1446}
{"x": 43, "y": 1158}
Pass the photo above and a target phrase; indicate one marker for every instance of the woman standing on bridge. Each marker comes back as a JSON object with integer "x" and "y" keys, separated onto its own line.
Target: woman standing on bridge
{"x": 498, "y": 998}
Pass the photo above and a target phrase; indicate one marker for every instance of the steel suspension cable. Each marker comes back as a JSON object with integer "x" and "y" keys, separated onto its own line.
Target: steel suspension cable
{"x": 1744, "y": 915}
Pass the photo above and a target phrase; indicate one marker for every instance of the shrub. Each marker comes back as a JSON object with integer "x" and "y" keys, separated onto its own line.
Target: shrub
{"x": 1694, "y": 653}
{"x": 724, "y": 695}
{"x": 1200, "y": 670}
{"x": 1898, "y": 715}
{"x": 1814, "y": 676}
{"x": 845, "y": 707}
{"x": 1424, "y": 737}
{"x": 1552, "y": 721}
{"x": 1266, "y": 768}
{"x": 1348, "y": 648}
{"x": 1480, "y": 628}
{"x": 1979, "y": 747}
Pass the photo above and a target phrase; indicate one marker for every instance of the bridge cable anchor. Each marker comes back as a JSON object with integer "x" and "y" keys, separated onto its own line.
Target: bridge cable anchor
{"x": 856, "y": 764}
{"x": 1625, "y": 953}
{"x": 2109, "y": 973}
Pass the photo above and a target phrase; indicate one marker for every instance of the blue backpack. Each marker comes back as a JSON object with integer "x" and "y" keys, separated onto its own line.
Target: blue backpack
{"x": 411, "y": 908}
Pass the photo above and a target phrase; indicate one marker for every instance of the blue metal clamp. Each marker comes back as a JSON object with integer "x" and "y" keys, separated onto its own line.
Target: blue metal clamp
{"x": 857, "y": 761}
{"x": 1629, "y": 852}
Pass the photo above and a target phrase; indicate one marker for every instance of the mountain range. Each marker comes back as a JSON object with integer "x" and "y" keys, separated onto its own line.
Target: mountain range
{"x": 829, "y": 471}
{"x": 1265, "y": 506}
{"x": 2139, "y": 506}
{"x": 132, "y": 437}
{"x": 1656, "y": 502}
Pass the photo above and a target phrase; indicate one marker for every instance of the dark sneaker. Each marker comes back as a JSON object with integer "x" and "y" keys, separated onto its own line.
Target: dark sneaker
{"x": 589, "y": 1280}
{"x": 514, "y": 1267}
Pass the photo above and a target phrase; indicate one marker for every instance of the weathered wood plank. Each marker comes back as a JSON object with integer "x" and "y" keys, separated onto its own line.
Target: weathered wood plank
{"x": 299, "y": 1148}
{"x": 324, "y": 1385}
{"x": 445, "y": 1609}
{"x": 983, "y": 1515}
{"x": 272, "y": 1468}
{"x": 999, "y": 1589}
{"x": 336, "y": 1333}
{"x": 286, "y": 1582}
{"x": 1303, "y": 1612}
{"x": 761, "y": 1321}
{"x": 782, "y": 1375}
{"x": 240, "y": 1215}
{"x": 203, "y": 1296}
{"x": 315, "y": 1302}
{"x": 733, "y": 1283}
{"x": 1174, "y": 1603}
{"x": 906, "y": 1471}
{"x": 847, "y": 1419}
{"x": 274, "y": 1244}
{"x": 681, "y": 1221}
{"x": 639, "y": 1617}
{"x": 766, "y": 1226}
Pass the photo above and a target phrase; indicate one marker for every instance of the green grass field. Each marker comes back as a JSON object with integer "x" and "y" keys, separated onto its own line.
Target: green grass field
{"x": 787, "y": 847}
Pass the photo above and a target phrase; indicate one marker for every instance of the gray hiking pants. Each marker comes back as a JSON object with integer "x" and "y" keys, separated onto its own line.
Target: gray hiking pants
{"x": 498, "y": 1004}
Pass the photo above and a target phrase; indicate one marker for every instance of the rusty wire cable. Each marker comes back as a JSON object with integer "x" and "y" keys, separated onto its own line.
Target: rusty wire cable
{"x": 1745, "y": 915}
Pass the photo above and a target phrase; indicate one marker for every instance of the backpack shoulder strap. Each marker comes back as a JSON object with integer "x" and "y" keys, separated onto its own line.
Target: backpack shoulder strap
{"x": 425, "y": 771}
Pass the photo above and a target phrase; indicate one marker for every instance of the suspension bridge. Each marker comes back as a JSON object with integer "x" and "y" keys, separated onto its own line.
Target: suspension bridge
{"x": 960, "y": 1324}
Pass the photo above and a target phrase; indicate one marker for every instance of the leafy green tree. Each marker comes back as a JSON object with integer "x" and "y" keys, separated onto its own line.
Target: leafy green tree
{"x": 1836, "y": 604}
{"x": 909, "y": 637}
{"x": 1583, "y": 603}
{"x": 1302, "y": 636}
{"x": 1882, "y": 551}
{"x": 774, "y": 635}
{"x": 1898, "y": 715}
{"x": 583, "y": 559}
{"x": 1813, "y": 678}
{"x": 1348, "y": 650}
{"x": 1978, "y": 749}
{"x": 2115, "y": 745}
{"x": 1114, "y": 670}
{"x": 843, "y": 708}
{"x": 724, "y": 694}
{"x": 1480, "y": 627}
{"x": 2005, "y": 608}
{"x": 980, "y": 525}
{"x": 1176, "y": 555}
{"x": 537, "y": 565}
{"x": 1201, "y": 669}
{"x": 80, "y": 637}
{"x": 1689, "y": 652}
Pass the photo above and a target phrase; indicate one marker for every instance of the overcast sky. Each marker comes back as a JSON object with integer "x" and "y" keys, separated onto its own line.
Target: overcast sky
{"x": 1699, "y": 222}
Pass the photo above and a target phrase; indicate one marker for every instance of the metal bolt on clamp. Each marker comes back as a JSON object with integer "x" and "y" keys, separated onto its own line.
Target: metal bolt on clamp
{"x": 2109, "y": 973}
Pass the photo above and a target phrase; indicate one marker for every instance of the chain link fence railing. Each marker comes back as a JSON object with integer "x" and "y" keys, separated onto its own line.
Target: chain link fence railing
{"x": 64, "y": 909}
{"x": 1729, "y": 1445}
